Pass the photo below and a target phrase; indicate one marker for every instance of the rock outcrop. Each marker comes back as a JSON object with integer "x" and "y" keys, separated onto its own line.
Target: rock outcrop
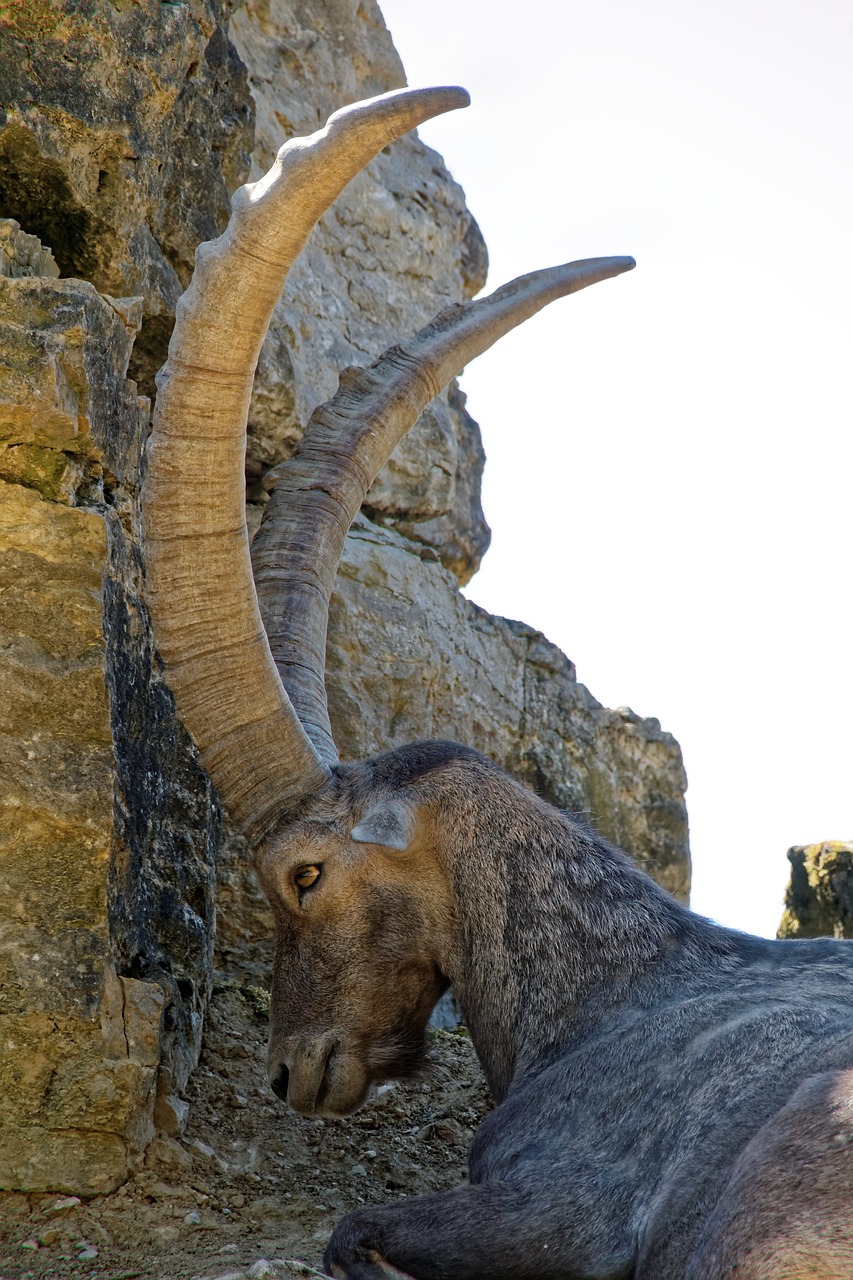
{"x": 103, "y": 970}
{"x": 122, "y": 130}
{"x": 819, "y": 897}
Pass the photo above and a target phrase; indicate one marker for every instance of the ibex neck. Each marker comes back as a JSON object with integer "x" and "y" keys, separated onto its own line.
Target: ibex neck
{"x": 558, "y": 929}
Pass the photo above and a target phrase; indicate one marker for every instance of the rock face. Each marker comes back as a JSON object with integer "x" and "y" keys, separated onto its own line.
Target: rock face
{"x": 819, "y": 897}
{"x": 398, "y": 245}
{"x": 90, "y": 957}
{"x": 123, "y": 129}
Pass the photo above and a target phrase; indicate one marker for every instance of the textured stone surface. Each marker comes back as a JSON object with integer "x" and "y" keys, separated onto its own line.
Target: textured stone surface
{"x": 126, "y": 128}
{"x": 398, "y": 245}
{"x": 166, "y": 824}
{"x": 123, "y": 130}
{"x": 107, "y": 825}
{"x": 819, "y": 897}
{"x": 75, "y": 1085}
{"x": 22, "y": 254}
{"x": 61, "y": 347}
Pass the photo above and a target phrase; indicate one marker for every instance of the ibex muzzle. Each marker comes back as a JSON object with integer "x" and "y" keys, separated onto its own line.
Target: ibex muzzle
{"x": 650, "y": 1067}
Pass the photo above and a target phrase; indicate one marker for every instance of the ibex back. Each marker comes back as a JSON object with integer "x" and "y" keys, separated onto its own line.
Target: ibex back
{"x": 675, "y": 1100}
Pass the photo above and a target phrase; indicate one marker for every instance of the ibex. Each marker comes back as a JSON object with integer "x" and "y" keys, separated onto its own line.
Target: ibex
{"x": 674, "y": 1099}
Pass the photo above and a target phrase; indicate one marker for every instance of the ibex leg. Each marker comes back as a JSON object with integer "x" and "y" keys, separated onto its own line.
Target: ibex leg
{"x": 787, "y": 1211}
{"x": 486, "y": 1231}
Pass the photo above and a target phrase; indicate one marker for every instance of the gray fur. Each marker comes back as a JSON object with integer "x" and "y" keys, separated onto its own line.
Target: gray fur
{"x": 387, "y": 823}
{"x": 641, "y": 1056}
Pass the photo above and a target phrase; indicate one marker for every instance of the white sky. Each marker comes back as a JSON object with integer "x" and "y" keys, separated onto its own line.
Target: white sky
{"x": 668, "y": 476}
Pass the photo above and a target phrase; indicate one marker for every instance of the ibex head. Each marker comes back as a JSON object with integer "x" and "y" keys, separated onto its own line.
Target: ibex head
{"x": 350, "y": 855}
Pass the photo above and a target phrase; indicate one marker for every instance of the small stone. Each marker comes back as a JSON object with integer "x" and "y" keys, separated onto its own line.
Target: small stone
{"x": 203, "y": 1149}
{"x": 370, "y": 1154}
{"x": 192, "y": 1219}
{"x": 50, "y": 1236}
{"x": 238, "y": 1201}
{"x": 449, "y": 1130}
{"x": 88, "y": 1254}
{"x": 30, "y": 1244}
{"x": 63, "y": 1205}
{"x": 238, "y": 1100}
{"x": 163, "y": 1190}
{"x": 358, "y": 1171}
{"x": 170, "y": 1114}
{"x": 260, "y": 1270}
{"x": 168, "y": 1154}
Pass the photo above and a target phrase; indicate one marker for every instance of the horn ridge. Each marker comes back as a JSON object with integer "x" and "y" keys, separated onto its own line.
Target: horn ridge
{"x": 199, "y": 433}
{"x": 319, "y": 489}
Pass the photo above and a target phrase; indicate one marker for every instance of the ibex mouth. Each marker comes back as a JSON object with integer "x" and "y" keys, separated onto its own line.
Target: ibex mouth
{"x": 318, "y": 1078}
{"x": 279, "y": 1082}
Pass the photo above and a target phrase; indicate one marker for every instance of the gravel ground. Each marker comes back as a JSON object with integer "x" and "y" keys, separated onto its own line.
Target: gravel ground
{"x": 250, "y": 1191}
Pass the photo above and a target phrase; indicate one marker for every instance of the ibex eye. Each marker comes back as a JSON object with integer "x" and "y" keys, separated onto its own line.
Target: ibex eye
{"x": 305, "y": 877}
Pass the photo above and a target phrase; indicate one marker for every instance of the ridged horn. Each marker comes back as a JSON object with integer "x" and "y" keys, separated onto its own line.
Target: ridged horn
{"x": 347, "y": 441}
{"x": 199, "y": 584}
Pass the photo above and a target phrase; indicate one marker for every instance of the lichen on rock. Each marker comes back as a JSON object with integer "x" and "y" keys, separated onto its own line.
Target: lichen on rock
{"x": 819, "y": 897}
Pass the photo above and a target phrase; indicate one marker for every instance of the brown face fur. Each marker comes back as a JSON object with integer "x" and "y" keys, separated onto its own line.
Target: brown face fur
{"x": 362, "y": 954}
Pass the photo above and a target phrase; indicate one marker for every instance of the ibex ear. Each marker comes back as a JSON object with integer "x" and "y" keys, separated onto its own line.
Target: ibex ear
{"x": 390, "y": 823}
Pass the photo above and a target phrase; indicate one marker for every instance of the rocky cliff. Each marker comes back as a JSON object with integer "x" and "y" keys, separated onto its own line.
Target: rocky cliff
{"x": 122, "y": 131}
{"x": 819, "y": 897}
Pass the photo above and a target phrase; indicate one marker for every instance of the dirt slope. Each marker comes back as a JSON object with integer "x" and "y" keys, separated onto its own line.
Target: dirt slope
{"x": 251, "y": 1191}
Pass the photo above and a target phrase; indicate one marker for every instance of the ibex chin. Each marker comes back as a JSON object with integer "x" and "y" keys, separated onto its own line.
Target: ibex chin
{"x": 674, "y": 1099}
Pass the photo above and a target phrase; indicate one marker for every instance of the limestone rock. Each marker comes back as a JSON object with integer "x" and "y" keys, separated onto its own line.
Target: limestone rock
{"x": 61, "y": 345}
{"x": 819, "y": 897}
{"x": 23, "y": 255}
{"x": 123, "y": 131}
{"x": 76, "y": 1084}
{"x": 107, "y": 824}
{"x": 398, "y": 245}
{"x": 461, "y": 537}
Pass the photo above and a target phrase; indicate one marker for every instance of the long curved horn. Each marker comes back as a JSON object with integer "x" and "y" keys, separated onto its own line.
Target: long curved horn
{"x": 198, "y": 572}
{"x": 347, "y": 441}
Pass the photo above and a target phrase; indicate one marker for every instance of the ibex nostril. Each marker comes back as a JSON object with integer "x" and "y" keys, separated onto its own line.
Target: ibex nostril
{"x": 279, "y": 1082}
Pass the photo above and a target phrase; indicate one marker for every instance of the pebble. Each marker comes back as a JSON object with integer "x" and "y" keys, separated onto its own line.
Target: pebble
{"x": 192, "y": 1219}
{"x": 358, "y": 1171}
{"x": 203, "y": 1149}
{"x": 260, "y": 1270}
{"x": 63, "y": 1205}
{"x": 88, "y": 1254}
{"x": 50, "y": 1236}
{"x": 30, "y": 1244}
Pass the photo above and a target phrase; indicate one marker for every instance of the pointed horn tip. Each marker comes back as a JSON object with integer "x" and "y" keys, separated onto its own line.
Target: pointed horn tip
{"x": 594, "y": 269}
{"x": 613, "y": 266}
{"x": 410, "y": 104}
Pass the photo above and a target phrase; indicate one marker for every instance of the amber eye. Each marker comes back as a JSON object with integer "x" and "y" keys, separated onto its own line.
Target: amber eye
{"x": 305, "y": 877}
